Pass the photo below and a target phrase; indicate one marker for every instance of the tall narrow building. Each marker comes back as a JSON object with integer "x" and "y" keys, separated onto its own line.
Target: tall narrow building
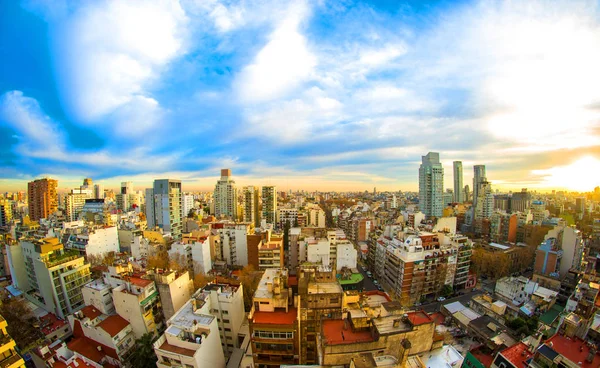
{"x": 269, "y": 204}
{"x": 225, "y": 196}
{"x": 458, "y": 181}
{"x": 164, "y": 206}
{"x": 42, "y": 198}
{"x": 251, "y": 213}
{"x": 478, "y": 178}
{"x": 431, "y": 185}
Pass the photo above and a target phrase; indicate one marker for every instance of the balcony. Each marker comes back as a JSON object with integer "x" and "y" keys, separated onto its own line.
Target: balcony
{"x": 12, "y": 361}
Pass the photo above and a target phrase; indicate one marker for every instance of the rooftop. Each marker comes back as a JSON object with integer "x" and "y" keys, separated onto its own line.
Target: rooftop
{"x": 176, "y": 349}
{"x": 354, "y": 278}
{"x": 113, "y": 325}
{"x": 574, "y": 349}
{"x": 445, "y": 357}
{"x": 51, "y": 323}
{"x": 339, "y": 332}
{"x": 517, "y": 354}
{"x": 91, "y": 312}
{"x": 262, "y": 291}
{"x": 324, "y": 288}
{"x": 278, "y": 317}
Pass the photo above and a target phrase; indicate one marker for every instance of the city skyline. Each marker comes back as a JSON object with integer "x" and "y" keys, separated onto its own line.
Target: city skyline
{"x": 300, "y": 95}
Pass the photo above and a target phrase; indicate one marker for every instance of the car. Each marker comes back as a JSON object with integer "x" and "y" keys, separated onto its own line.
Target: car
{"x": 369, "y": 274}
{"x": 375, "y": 282}
{"x": 418, "y": 304}
{"x": 363, "y": 268}
{"x": 441, "y": 299}
{"x": 379, "y": 288}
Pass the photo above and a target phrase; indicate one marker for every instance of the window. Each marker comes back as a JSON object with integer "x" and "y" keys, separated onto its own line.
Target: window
{"x": 227, "y": 329}
{"x": 226, "y": 321}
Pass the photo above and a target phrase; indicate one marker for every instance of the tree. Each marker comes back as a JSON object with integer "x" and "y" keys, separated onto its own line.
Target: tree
{"x": 201, "y": 280}
{"x": 21, "y": 322}
{"x": 249, "y": 278}
{"x": 160, "y": 260}
{"x": 143, "y": 355}
{"x": 178, "y": 262}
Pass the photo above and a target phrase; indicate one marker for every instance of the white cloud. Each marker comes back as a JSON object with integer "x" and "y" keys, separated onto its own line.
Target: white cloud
{"x": 111, "y": 52}
{"x": 40, "y": 137}
{"x": 282, "y": 64}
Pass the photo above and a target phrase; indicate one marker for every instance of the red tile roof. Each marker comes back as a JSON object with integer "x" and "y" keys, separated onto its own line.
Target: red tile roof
{"x": 91, "y": 312}
{"x": 485, "y": 359}
{"x": 276, "y": 318}
{"x": 140, "y": 282}
{"x": 517, "y": 354}
{"x": 334, "y": 333}
{"x": 51, "y": 323}
{"x": 377, "y": 292}
{"x": 87, "y": 348}
{"x": 113, "y": 325}
{"x": 438, "y": 318}
{"x": 419, "y": 318}
{"x": 574, "y": 349}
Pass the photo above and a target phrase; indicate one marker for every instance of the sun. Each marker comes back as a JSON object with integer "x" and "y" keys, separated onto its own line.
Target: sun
{"x": 582, "y": 175}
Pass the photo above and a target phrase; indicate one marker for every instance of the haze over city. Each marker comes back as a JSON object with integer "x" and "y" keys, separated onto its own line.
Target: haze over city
{"x": 303, "y": 94}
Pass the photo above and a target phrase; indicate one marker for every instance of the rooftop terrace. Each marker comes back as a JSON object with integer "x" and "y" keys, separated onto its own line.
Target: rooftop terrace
{"x": 339, "y": 332}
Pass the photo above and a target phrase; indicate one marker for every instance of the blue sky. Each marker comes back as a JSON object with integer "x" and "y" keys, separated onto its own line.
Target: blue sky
{"x": 301, "y": 94}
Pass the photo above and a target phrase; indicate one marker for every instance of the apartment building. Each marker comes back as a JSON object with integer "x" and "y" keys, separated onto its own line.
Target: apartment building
{"x": 285, "y": 215}
{"x": 42, "y": 198}
{"x": 319, "y": 298}
{"x": 269, "y": 204}
{"x": 191, "y": 339}
{"x": 271, "y": 254}
{"x": 194, "y": 254}
{"x": 113, "y": 333}
{"x": 251, "y": 209}
{"x": 98, "y": 294}
{"x": 225, "y": 301}
{"x": 137, "y": 300}
{"x": 94, "y": 240}
{"x": 9, "y": 358}
{"x": 49, "y": 276}
{"x": 6, "y": 213}
{"x": 273, "y": 322}
{"x": 233, "y": 242}
{"x": 174, "y": 288}
{"x": 225, "y": 196}
{"x": 418, "y": 265}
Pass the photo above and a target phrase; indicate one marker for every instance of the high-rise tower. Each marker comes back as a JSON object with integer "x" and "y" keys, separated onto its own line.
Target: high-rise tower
{"x": 164, "y": 206}
{"x": 42, "y": 198}
{"x": 269, "y": 204}
{"x": 431, "y": 185}
{"x": 251, "y": 213}
{"x": 225, "y": 196}
{"x": 458, "y": 181}
{"x": 478, "y": 178}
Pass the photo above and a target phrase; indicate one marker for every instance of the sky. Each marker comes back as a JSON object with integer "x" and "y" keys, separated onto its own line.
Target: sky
{"x": 318, "y": 95}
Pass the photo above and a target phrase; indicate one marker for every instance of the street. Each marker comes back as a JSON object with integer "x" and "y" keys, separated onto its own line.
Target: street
{"x": 367, "y": 283}
{"x": 464, "y": 299}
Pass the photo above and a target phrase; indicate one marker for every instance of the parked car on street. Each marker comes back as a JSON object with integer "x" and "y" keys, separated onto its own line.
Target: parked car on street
{"x": 441, "y": 299}
{"x": 379, "y": 288}
{"x": 375, "y": 282}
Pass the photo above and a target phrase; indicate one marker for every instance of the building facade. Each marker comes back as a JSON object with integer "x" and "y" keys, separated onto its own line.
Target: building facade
{"x": 225, "y": 196}
{"x": 431, "y": 185}
{"x": 42, "y": 198}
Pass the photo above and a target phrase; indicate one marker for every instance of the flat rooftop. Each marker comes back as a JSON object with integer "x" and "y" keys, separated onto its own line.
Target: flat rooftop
{"x": 176, "y": 349}
{"x": 574, "y": 349}
{"x": 278, "y": 317}
{"x": 186, "y": 318}
{"x": 262, "y": 291}
{"x": 339, "y": 332}
{"x": 324, "y": 288}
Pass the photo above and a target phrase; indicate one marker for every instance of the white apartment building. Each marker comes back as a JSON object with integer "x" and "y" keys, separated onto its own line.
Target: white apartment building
{"x": 571, "y": 242}
{"x": 233, "y": 242}
{"x": 192, "y": 339}
{"x": 287, "y": 215}
{"x": 251, "y": 212}
{"x": 174, "y": 289}
{"x": 164, "y": 207}
{"x": 112, "y": 332}
{"x": 196, "y": 255}
{"x": 52, "y": 277}
{"x": 98, "y": 294}
{"x": 347, "y": 256}
{"x": 225, "y": 196}
{"x": 188, "y": 203}
{"x": 95, "y": 241}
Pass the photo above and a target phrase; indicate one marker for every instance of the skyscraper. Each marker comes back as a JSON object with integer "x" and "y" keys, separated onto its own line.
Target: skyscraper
{"x": 269, "y": 204}
{"x": 431, "y": 185}
{"x": 225, "y": 196}
{"x": 164, "y": 206}
{"x": 478, "y": 177}
{"x": 42, "y": 198}
{"x": 458, "y": 181}
{"x": 251, "y": 213}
